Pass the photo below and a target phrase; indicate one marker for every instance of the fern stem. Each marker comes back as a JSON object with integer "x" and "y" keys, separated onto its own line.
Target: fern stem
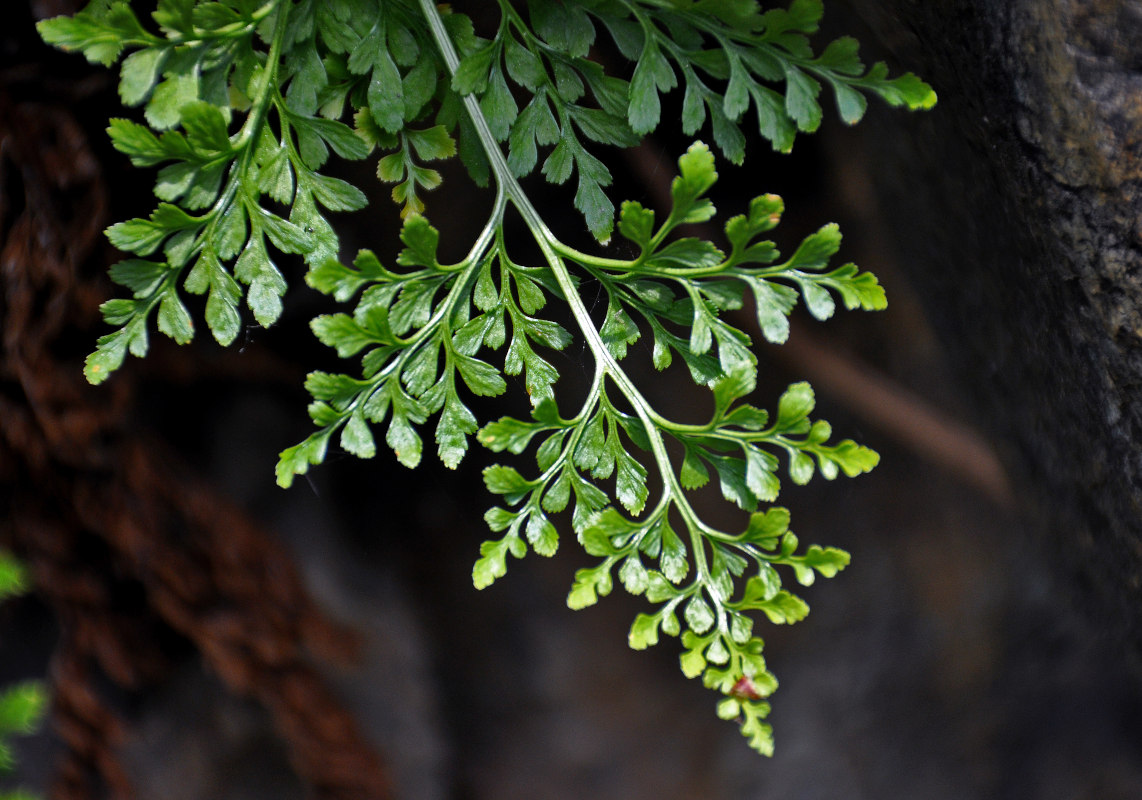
{"x": 548, "y": 244}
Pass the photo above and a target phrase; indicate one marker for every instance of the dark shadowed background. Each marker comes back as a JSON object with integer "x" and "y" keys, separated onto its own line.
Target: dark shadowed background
{"x": 210, "y": 636}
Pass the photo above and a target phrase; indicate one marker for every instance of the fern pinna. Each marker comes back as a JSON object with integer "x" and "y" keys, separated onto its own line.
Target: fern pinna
{"x": 244, "y": 103}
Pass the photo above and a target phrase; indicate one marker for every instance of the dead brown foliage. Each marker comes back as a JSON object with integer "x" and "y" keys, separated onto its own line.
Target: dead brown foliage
{"x": 135, "y": 556}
